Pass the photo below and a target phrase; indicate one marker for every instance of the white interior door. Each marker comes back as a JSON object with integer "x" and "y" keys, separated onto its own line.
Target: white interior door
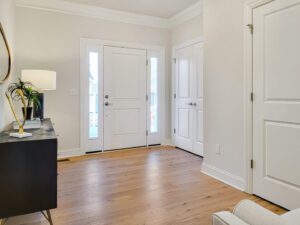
{"x": 198, "y": 102}
{"x": 189, "y": 99}
{"x": 276, "y": 125}
{"x": 125, "y": 118}
{"x": 184, "y": 99}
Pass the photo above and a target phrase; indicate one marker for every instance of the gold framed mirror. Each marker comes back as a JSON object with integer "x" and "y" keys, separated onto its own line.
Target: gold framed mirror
{"x": 5, "y": 57}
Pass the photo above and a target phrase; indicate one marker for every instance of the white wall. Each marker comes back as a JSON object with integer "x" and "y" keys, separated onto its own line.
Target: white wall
{"x": 187, "y": 31}
{"x": 224, "y": 90}
{"x": 7, "y": 19}
{"x": 49, "y": 40}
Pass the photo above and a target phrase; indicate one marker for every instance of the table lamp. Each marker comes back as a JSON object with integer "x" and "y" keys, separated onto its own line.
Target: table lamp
{"x": 44, "y": 80}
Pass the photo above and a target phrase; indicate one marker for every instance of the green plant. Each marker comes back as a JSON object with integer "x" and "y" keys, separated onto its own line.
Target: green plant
{"x": 29, "y": 92}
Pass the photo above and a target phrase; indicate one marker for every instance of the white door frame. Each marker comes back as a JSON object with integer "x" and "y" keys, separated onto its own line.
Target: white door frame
{"x": 162, "y": 80}
{"x": 174, "y": 49}
{"x": 158, "y": 136}
{"x": 248, "y": 87}
{"x": 84, "y": 47}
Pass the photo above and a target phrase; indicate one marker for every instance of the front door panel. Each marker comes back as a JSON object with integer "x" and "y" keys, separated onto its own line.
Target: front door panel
{"x": 124, "y": 98}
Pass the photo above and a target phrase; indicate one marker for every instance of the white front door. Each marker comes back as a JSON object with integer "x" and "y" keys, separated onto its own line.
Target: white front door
{"x": 125, "y": 118}
{"x": 276, "y": 109}
{"x": 189, "y": 99}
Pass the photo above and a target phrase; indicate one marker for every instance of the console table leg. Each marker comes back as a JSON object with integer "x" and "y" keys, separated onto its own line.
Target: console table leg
{"x": 3, "y": 221}
{"x": 47, "y": 216}
{"x": 50, "y": 218}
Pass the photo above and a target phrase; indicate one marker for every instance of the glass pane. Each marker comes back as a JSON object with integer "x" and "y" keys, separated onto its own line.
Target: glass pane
{"x": 93, "y": 95}
{"x": 154, "y": 95}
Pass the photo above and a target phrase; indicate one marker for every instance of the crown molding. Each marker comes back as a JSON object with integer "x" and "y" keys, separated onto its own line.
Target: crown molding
{"x": 111, "y": 15}
{"x": 187, "y": 14}
{"x": 93, "y": 11}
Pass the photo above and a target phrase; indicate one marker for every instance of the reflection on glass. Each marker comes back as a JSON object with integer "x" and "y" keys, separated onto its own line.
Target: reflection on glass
{"x": 154, "y": 95}
{"x": 93, "y": 95}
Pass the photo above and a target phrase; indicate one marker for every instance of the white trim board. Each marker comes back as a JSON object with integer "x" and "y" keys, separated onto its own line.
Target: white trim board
{"x": 224, "y": 176}
{"x": 187, "y": 14}
{"x": 112, "y": 15}
{"x": 69, "y": 153}
{"x": 62, "y": 154}
{"x": 188, "y": 43}
{"x": 167, "y": 142}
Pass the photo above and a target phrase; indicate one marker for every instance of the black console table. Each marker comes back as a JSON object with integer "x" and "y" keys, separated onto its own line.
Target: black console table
{"x": 28, "y": 173}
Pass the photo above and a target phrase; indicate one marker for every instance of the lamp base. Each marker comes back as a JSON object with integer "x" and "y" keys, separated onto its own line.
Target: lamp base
{"x": 39, "y": 112}
{"x": 18, "y": 135}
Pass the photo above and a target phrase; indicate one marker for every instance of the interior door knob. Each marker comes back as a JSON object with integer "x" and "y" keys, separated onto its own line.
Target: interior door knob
{"x": 106, "y": 104}
{"x": 191, "y": 104}
{"x": 195, "y": 104}
{"x": 106, "y": 96}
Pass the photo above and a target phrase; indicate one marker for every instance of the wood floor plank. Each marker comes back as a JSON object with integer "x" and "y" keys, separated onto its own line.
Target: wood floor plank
{"x": 155, "y": 186}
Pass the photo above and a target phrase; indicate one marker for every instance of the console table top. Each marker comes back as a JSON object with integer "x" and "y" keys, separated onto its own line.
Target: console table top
{"x": 46, "y": 132}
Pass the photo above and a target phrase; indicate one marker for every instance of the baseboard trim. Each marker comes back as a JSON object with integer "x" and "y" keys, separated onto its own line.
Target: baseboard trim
{"x": 167, "y": 142}
{"x": 224, "y": 176}
{"x": 66, "y": 153}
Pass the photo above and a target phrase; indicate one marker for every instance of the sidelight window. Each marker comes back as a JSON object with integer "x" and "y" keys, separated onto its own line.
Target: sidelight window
{"x": 154, "y": 95}
{"x": 93, "y": 95}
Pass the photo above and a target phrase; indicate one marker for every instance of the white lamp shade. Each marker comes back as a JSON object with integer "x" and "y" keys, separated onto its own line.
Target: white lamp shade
{"x": 42, "y": 79}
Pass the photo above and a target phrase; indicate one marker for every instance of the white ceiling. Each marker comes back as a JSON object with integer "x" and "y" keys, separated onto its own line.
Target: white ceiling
{"x": 157, "y": 8}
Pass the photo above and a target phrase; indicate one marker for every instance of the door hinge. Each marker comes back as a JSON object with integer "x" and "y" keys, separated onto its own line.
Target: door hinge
{"x": 252, "y": 164}
{"x": 147, "y": 62}
{"x": 147, "y": 97}
{"x": 174, "y": 60}
{"x": 174, "y": 131}
{"x": 251, "y": 28}
{"x": 175, "y": 96}
{"x": 147, "y": 133}
{"x": 252, "y": 96}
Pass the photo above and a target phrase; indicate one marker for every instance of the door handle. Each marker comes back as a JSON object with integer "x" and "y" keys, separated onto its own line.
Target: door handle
{"x": 191, "y": 104}
{"x": 195, "y": 104}
{"x": 107, "y": 104}
{"x": 106, "y": 96}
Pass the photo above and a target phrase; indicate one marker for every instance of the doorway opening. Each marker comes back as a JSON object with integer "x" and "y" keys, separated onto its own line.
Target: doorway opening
{"x": 121, "y": 95}
{"x": 188, "y": 96}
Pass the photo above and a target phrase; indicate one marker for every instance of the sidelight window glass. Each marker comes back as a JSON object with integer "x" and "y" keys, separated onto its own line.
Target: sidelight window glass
{"x": 154, "y": 95}
{"x": 93, "y": 95}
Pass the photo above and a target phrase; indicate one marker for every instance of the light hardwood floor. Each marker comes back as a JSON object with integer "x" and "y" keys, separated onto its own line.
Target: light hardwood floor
{"x": 158, "y": 186}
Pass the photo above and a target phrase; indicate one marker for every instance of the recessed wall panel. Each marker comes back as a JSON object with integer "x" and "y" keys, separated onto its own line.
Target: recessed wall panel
{"x": 184, "y": 123}
{"x": 184, "y": 78}
{"x": 282, "y": 61}
{"x": 126, "y": 121}
{"x": 126, "y": 78}
{"x": 282, "y": 152}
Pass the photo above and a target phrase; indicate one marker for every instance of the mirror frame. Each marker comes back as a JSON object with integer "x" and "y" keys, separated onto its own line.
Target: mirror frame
{"x": 8, "y": 51}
